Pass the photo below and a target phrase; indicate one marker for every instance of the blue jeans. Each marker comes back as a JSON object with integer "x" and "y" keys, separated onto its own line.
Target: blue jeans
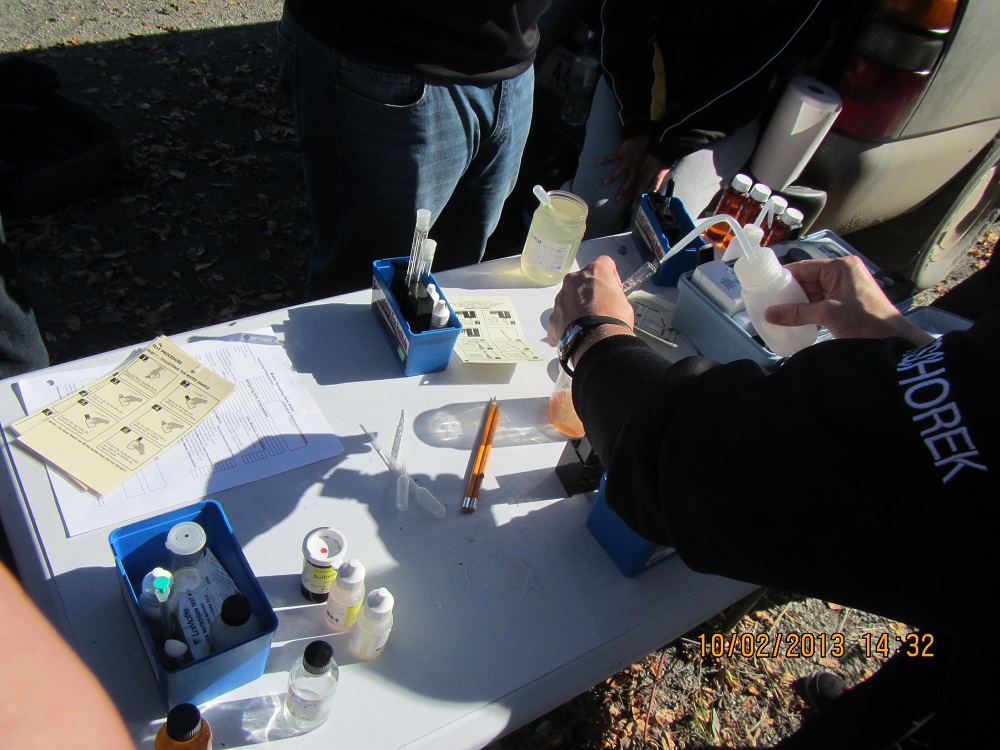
{"x": 377, "y": 145}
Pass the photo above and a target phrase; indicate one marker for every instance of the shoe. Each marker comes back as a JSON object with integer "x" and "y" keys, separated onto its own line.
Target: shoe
{"x": 820, "y": 689}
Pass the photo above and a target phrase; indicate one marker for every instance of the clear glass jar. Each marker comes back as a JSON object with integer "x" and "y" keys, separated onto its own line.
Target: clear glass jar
{"x": 561, "y": 410}
{"x": 554, "y": 238}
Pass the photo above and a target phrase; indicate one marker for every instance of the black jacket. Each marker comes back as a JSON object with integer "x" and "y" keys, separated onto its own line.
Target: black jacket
{"x": 690, "y": 72}
{"x": 862, "y": 472}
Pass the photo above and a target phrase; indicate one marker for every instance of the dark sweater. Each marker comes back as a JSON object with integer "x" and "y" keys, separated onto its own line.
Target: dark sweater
{"x": 689, "y": 73}
{"x": 861, "y": 472}
{"x": 482, "y": 41}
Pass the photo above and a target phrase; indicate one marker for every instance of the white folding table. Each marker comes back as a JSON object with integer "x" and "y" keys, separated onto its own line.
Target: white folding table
{"x": 500, "y": 615}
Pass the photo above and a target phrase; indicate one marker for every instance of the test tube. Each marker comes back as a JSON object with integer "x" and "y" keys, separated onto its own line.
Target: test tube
{"x": 419, "y": 235}
{"x": 427, "y": 251}
{"x": 643, "y": 273}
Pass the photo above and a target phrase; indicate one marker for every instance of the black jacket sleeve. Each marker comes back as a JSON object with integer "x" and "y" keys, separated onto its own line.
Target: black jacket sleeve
{"x": 858, "y": 473}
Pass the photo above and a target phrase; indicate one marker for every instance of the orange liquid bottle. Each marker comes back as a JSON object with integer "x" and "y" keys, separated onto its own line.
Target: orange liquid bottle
{"x": 730, "y": 203}
{"x": 784, "y": 227}
{"x": 185, "y": 729}
{"x": 750, "y": 210}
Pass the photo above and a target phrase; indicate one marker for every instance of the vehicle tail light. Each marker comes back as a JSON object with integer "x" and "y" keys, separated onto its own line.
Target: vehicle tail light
{"x": 893, "y": 62}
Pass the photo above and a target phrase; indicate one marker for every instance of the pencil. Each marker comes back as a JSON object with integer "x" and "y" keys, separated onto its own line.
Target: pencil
{"x": 482, "y": 457}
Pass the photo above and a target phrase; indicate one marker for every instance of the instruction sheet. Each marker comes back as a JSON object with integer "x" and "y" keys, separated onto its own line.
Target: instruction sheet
{"x": 491, "y": 331}
{"x": 270, "y": 424}
{"x": 104, "y": 433}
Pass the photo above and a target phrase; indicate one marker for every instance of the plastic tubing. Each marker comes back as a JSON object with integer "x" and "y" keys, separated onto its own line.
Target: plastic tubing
{"x": 704, "y": 224}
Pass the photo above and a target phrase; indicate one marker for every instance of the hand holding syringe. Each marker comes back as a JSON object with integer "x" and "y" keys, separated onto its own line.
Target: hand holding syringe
{"x": 405, "y": 484}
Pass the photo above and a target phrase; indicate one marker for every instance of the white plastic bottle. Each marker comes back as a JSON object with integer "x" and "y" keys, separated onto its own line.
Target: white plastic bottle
{"x": 346, "y": 596}
{"x": 312, "y": 681}
{"x": 766, "y": 282}
{"x": 371, "y": 631}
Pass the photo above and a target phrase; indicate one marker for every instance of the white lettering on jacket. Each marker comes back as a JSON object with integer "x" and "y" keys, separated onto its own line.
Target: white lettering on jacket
{"x": 926, "y": 391}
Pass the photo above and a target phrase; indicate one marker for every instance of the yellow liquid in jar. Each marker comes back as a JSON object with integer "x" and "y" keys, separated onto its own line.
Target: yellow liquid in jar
{"x": 554, "y": 238}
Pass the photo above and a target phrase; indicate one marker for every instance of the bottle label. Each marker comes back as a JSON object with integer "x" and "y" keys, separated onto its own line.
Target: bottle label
{"x": 366, "y": 644}
{"x": 340, "y": 616}
{"x": 318, "y": 578}
{"x": 305, "y": 707}
{"x": 545, "y": 254}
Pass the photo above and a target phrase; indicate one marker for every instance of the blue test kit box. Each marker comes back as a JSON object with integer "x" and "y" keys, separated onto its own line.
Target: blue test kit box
{"x": 140, "y": 547}
{"x": 417, "y": 353}
{"x": 650, "y": 237}
{"x": 631, "y": 552}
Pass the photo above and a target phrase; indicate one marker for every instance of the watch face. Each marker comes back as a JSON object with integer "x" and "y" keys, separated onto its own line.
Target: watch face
{"x": 566, "y": 342}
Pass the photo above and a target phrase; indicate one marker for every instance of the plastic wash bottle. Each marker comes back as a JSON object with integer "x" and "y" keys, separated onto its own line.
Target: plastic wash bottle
{"x": 766, "y": 282}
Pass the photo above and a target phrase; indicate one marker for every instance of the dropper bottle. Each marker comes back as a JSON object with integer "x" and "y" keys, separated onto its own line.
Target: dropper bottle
{"x": 766, "y": 282}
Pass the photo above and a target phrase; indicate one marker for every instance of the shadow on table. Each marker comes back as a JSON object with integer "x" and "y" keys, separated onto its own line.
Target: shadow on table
{"x": 311, "y": 332}
{"x": 479, "y": 555}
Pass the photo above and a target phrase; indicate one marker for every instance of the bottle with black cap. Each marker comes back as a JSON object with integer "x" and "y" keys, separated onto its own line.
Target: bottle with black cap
{"x": 234, "y": 624}
{"x": 185, "y": 729}
{"x": 312, "y": 681}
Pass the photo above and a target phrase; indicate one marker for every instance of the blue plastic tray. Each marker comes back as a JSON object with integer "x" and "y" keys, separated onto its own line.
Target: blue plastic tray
{"x": 140, "y": 547}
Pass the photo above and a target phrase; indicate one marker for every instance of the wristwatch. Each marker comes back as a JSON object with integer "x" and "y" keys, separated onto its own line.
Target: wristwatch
{"x": 576, "y": 332}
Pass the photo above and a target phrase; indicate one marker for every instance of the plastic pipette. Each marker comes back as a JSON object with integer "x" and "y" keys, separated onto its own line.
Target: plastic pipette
{"x": 543, "y": 196}
{"x": 422, "y": 495}
{"x": 403, "y": 482}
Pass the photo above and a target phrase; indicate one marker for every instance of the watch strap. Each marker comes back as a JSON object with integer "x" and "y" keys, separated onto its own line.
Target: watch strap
{"x": 577, "y": 331}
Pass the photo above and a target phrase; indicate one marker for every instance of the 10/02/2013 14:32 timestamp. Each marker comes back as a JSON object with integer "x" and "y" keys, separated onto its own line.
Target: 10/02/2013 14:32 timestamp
{"x": 810, "y": 645}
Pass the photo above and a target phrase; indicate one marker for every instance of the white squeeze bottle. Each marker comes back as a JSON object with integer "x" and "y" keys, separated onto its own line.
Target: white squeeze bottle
{"x": 347, "y": 595}
{"x": 766, "y": 282}
{"x": 371, "y": 631}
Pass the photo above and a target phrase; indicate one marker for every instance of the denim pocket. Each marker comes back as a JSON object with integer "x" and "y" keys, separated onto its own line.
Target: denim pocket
{"x": 385, "y": 87}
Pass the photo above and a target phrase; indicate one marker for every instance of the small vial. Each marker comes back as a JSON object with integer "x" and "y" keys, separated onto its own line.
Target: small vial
{"x": 186, "y": 544}
{"x": 323, "y": 550}
{"x": 234, "y": 624}
{"x": 729, "y": 204}
{"x": 759, "y": 194}
{"x": 561, "y": 410}
{"x": 772, "y": 211}
{"x": 312, "y": 681}
{"x": 784, "y": 227}
{"x": 346, "y": 596}
{"x": 371, "y": 631}
{"x": 185, "y": 729}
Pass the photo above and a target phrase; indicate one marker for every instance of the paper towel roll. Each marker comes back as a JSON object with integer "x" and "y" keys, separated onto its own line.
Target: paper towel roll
{"x": 802, "y": 118}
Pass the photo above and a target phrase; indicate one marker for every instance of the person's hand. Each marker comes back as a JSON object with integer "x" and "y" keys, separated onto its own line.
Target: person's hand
{"x": 845, "y": 298}
{"x": 596, "y": 290}
{"x": 639, "y": 171}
